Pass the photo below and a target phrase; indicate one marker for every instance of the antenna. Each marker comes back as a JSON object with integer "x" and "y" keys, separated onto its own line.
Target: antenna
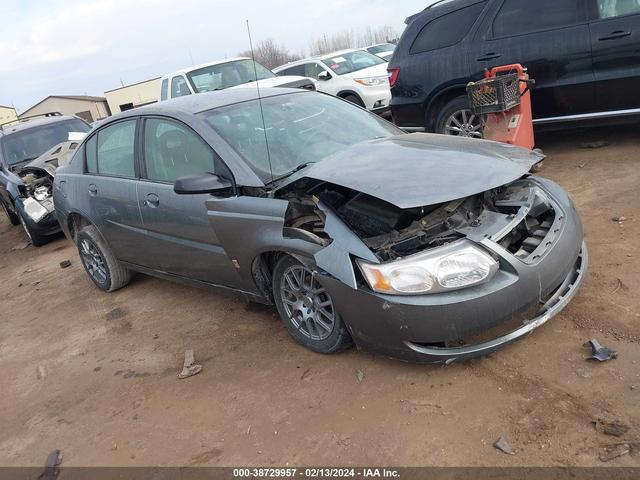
{"x": 264, "y": 125}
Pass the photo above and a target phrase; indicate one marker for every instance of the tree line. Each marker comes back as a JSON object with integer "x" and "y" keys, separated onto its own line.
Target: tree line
{"x": 272, "y": 54}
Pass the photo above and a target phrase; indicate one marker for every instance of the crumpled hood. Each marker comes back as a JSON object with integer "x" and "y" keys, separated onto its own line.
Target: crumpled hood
{"x": 420, "y": 169}
{"x": 52, "y": 159}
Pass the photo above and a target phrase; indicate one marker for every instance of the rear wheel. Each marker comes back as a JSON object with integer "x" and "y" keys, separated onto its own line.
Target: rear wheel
{"x": 307, "y": 309}
{"x": 99, "y": 262}
{"x": 456, "y": 118}
{"x": 12, "y": 216}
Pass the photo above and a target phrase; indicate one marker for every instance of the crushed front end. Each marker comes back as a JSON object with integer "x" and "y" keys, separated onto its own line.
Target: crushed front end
{"x": 526, "y": 238}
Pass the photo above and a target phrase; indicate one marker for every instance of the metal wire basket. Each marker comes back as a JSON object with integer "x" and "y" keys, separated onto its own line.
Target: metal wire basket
{"x": 495, "y": 94}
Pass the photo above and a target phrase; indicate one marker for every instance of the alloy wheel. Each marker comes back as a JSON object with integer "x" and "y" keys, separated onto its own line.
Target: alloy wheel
{"x": 464, "y": 123}
{"x": 93, "y": 261}
{"x": 307, "y": 304}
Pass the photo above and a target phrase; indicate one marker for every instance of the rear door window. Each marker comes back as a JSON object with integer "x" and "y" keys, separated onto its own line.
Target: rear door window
{"x": 447, "y": 30}
{"x": 313, "y": 70}
{"x": 298, "y": 70}
{"x": 179, "y": 87}
{"x": 115, "y": 150}
{"x": 517, "y": 17}
{"x": 617, "y": 8}
{"x": 164, "y": 89}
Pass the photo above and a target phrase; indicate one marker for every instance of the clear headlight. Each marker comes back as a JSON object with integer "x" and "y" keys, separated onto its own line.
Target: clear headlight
{"x": 372, "y": 81}
{"x": 451, "y": 267}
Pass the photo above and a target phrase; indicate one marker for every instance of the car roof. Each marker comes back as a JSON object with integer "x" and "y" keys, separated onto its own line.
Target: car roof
{"x": 203, "y": 65}
{"x": 317, "y": 57}
{"x": 202, "y": 102}
{"x": 33, "y": 123}
{"x": 440, "y": 8}
{"x": 378, "y": 45}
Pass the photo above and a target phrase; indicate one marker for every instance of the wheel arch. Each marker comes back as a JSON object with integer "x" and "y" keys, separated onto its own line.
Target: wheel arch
{"x": 264, "y": 264}
{"x": 435, "y": 105}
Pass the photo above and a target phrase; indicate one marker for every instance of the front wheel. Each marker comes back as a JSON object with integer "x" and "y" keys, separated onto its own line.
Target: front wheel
{"x": 12, "y": 216}
{"x": 35, "y": 238}
{"x": 354, "y": 99}
{"x": 307, "y": 309}
{"x": 457, "y": 118}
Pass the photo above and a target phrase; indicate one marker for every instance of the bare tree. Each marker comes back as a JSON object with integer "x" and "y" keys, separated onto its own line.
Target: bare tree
{"x": 270, "y": 54}
{"x": 351, "y": 39}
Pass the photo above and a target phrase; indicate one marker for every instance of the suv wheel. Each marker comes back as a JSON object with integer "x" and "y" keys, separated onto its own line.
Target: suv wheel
{"x": 99, "y": 261}
{"x": 13, "y": 218}
{"x": 354, "y": 99}
{"x": 456, "y": 118}
{"x": 307, "y": 309}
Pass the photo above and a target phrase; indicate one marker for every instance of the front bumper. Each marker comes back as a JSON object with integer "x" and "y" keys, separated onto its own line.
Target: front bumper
{"x": 48, "y": 225}
{"x": 430, "y": 328}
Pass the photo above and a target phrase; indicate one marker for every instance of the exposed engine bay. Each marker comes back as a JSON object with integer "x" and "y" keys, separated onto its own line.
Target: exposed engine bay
{"x": 393, "y": 233}
{"x": 37, "y": 178}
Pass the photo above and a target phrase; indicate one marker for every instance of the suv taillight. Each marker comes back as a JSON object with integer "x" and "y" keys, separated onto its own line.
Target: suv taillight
{"x": 393, "y": 76}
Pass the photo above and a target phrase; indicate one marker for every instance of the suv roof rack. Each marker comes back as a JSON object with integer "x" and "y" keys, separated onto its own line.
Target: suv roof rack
{"x": 437, "y": 3}
{"x": 30, "y": 117}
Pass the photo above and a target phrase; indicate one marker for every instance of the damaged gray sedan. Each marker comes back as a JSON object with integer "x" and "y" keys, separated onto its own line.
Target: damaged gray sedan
{"x": 420, "y": 247}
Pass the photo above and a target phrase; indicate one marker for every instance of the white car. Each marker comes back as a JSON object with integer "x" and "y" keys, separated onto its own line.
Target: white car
{"x": 383, "y": 50}
{"x": 233, "y": 73}
{"x": 355, "y": 75}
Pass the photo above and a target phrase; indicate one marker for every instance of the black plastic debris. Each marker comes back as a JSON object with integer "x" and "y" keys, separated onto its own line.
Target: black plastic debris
{"x": 615, "y": 428}
{"x": 600, "y": 353}
{"x": 65, "y": 264}
{"x": 51, "y": 468}
{"x": 502, "y": 445}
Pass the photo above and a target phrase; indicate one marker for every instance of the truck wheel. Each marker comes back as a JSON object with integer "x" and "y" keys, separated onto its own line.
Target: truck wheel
{"x": 354, "y": 99}
{"x": 307, "y": 309}
{"x": 103, "y": 268}
{"x": 456, "y": 118}
{"x": 13, "y": 218}
{"x": 35, "y": 238}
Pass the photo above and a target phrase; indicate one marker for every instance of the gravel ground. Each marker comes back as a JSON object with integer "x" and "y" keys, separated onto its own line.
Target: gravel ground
{"x": 94, "y": 374}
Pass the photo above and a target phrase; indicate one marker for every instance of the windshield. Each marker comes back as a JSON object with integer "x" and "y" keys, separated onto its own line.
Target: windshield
{"x": 352, "y": 62}
{"x": 301, "y": 128}
{"x": 385, "y": 47}
{"x": 226, "y": 75}
{"x": 28, "y": 144}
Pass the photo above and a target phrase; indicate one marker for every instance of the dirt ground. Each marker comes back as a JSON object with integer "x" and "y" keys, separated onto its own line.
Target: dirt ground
{"x": 94, "y": 374}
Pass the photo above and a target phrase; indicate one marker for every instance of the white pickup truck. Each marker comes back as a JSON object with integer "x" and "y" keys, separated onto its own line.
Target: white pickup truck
{"x": 232, "y": 73}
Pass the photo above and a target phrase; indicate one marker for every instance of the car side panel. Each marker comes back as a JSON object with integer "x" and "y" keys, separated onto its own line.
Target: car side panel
{"x": 616, "y": 61}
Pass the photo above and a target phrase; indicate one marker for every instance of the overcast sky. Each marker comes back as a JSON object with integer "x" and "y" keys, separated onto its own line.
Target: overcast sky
{"x": 78, "y": 47}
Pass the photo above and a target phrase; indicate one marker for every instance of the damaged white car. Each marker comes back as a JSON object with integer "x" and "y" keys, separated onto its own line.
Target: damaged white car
{"x": 30, "y": 152}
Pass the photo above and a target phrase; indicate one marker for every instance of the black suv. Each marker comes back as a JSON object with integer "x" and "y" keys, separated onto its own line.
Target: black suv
{"x": 583, "y": 55}
{"x": 25, "y": 185}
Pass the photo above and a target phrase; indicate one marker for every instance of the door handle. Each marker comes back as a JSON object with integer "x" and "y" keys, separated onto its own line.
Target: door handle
{"x": 151, "y": 201}
{"x": 488, "y": 56}
{"x": 615, "y": 35}
{"x": 93, "y": 190}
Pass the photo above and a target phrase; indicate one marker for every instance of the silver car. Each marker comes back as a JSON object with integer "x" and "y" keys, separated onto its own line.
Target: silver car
{"x": 421, "y": 247}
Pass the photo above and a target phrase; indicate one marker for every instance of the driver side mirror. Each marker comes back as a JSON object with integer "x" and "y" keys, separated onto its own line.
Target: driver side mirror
{"x": 324, "y": 76}
{"x": 199, "y": 184}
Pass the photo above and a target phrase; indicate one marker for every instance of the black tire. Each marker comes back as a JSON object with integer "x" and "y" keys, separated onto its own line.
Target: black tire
{"x": 454, "y": 106}
{"x": 320, "y": 340}
{"x": 103, "y": 268}
{"x": 354, "y": 99}
{"x": 35, "y": 238}
{"x": 12, "y": 216}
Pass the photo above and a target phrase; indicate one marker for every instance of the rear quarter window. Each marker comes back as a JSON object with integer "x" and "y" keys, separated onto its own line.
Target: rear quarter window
{"x": 446, "y": 30}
